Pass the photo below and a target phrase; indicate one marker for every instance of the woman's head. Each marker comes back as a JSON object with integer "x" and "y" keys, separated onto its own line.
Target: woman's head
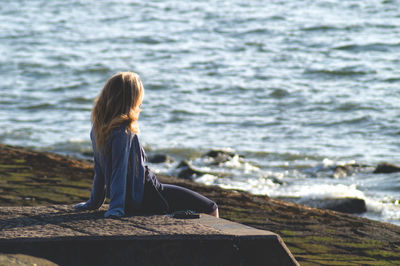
{"x": 118, "y": 103}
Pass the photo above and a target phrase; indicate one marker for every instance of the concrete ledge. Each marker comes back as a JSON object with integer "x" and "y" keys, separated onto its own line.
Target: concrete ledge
{"x": 66, "y": 237}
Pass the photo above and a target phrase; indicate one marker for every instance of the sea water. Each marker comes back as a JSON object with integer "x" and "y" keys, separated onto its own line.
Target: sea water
{"x": 294, "y": 87}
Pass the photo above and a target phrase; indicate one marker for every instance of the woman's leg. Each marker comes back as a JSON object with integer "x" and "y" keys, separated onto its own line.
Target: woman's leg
{"x": 180, "y": 198}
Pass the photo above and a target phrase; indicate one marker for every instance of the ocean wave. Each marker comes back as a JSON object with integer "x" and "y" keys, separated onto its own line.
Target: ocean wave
{"x": 361, "y": 119}
{"x": 253, "y": 31}
{"x": 152, "y": 40}
{"x": 20, "y": 136}
{"x": 384, "y": 211}
{"x": 64, "y": 87}
{"x": 78, "y": 100}
{"x": 194, "y": 113}
{"x": 351, "y": 71}
{"x": 279, "y": 93}
{"x": 26, "y": 119}
{"x": 79, "y": 148}
{"x": 38, "y": 107}
{"x": 392, "y": 80}
{"x": 323, "y": 28}
{"x": 319, "y": 191}
{"x": 356, "y": 120}
{"x": 355, "y": 106}
{"x": 372, "y": 47}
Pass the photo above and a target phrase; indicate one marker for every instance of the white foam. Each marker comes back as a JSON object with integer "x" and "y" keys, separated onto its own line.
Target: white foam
{"x": 77, "y": 140}
{"x": 238, "y": 163}
{"x": 327, "y": 163}
{"x": 321, "y": 191}
{"x": 386, "y": 211}
{"x": 262, "y": 186}
{"x": 237, "y": 173}
{"x": 207, "y": 179}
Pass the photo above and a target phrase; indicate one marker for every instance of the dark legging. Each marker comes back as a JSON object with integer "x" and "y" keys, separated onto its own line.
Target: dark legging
{"x": 161, "y": 198}
{"x": 180, "y": 198}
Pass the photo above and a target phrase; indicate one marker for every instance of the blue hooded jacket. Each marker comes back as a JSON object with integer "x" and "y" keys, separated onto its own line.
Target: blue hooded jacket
{"x": 119, "y": 172}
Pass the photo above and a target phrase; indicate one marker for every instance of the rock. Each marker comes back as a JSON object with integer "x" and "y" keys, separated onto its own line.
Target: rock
{"x": 186, "y": 171}
{"x": 88, "y": 154}
{"x": 68, "y": 237}
{"x": 22, "y": 259}
{"x": 219, "y": 156}
{"x": 347, "y": 169}
{"x": 159, "y": 158}
{"x": 346, "y": 205}
{"x": 216, "y": 153}
{"x": 276, "y": 180}
{"x": 386, "y": 168}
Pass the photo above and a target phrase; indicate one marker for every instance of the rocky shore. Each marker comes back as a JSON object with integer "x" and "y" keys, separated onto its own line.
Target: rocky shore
{"x": 314, "y": 236}
{"x": 64, "y": 236}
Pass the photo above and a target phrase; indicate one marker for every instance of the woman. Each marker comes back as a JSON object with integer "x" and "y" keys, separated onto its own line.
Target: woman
{"x": 120, "y": 173}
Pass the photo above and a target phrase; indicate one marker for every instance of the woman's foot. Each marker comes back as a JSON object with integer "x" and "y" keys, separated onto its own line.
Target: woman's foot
{"x": 215, "y": 213}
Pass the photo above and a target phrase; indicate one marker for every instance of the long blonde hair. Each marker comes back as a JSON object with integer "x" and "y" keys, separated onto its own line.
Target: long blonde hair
{"x": 117, "y": 103}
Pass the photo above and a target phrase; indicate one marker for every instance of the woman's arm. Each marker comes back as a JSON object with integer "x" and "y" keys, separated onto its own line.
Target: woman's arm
{"x": 97, "y": 195}
{"x": 98, "y": 189}
{"x": 120, "y": 147}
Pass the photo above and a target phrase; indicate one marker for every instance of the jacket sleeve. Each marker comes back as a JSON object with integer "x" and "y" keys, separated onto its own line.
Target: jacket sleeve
{"x": 138, "y": 165}
{"x": 120, "y": 147}
{"x": 97, "y": 195}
